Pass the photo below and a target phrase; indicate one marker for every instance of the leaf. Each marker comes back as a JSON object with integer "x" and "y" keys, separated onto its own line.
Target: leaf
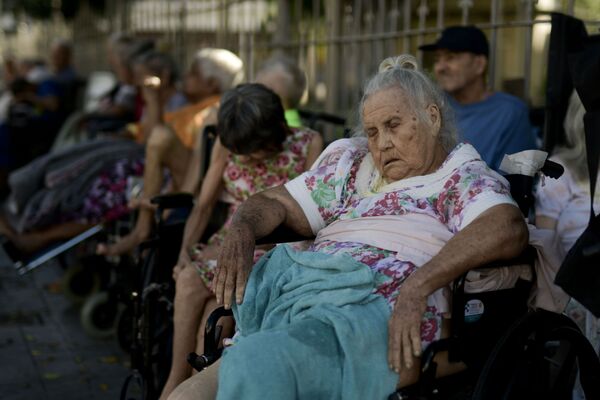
{"x": 109, "y": 359}
{"x": 51, "y": 376}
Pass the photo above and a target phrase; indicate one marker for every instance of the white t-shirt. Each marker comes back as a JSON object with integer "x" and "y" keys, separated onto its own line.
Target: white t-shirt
{"x": 568, "y": 202}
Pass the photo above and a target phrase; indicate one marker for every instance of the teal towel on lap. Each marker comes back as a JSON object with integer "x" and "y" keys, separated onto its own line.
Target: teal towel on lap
{"x": 310, "y": 328}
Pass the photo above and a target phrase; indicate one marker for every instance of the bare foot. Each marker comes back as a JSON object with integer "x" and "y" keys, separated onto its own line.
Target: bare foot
{"x": 126, "y": 244}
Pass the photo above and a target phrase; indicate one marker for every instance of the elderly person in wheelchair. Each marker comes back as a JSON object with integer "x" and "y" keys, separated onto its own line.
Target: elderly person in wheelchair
{"x": 398, "y": 213}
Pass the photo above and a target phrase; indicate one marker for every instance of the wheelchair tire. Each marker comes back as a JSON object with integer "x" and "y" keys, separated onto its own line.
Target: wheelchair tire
{"x": 100, "y": 314}
{"x": 527, "y": 360}
{"x": 125, "y": 329}
{"x": 80, "y": 281}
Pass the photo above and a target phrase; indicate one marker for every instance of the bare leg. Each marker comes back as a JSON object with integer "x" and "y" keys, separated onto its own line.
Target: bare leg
{"x": 199, "y": 387}
{"x": 31, "y": 242}
{"x": 191, "y": 296}
{"x": 163, "y": 149}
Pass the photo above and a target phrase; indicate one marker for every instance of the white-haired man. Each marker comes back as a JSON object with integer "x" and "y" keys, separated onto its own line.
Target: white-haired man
{"x": 284, "y": 77}
{"x": 174, "y": 141}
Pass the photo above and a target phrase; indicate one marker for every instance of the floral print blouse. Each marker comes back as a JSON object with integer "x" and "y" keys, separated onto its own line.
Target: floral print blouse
{"x": 242, "y": 180}
{"x": 341, "y": 186}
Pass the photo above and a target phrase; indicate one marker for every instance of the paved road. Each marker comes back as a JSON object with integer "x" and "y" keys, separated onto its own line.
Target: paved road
{"x": 44, "y": 352}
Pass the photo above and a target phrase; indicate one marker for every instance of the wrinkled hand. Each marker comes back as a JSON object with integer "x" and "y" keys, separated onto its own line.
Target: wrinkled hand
{"x": 233, "y": 265}
{"x": 404, "y": 329}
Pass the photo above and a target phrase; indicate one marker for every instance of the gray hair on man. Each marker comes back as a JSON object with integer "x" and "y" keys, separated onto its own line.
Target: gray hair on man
{"x": 403, "y": 72}
{"x": 295, "y": 83}
{"x": 221, "y": 65}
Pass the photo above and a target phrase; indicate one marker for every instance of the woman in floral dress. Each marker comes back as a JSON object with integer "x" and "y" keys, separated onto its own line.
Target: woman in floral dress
{"x": 409, "y": 206}
{"x": 255, "y": 150}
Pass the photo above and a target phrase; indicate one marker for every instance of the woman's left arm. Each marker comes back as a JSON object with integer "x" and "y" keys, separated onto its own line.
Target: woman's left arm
{"x": 499, "y": 233}
{"x": 315, "y": 148}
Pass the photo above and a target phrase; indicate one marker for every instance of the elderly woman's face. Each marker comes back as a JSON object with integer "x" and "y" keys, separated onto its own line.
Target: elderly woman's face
{"x": 400, "y": 144}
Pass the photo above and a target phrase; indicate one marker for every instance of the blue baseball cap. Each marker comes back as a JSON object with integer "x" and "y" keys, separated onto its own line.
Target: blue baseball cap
{"x": 461, "y": 38}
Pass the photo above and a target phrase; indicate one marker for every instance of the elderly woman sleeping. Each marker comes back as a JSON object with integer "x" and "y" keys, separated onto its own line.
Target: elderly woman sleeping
{"x": 397, "y": 214}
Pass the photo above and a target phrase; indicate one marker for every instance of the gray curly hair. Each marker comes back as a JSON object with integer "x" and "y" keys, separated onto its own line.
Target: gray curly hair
{"x": 403, "y": 72}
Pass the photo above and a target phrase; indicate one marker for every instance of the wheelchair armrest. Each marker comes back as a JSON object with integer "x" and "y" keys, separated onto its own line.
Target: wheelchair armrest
{"x": 526, "y": 257}
{"x": 314, "y": 116}
{"x": 281, "y": 234}
{"x": 173, "y": 200}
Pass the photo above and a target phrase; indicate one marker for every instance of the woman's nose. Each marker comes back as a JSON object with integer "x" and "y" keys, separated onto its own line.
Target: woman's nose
{"x": 384, "y": 141}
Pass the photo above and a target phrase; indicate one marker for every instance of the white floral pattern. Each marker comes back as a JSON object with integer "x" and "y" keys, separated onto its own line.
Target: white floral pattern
{"x": 447, "y": 195}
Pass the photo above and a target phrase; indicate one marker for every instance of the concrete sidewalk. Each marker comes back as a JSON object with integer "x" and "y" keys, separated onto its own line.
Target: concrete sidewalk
{"x": 44, "y": 352}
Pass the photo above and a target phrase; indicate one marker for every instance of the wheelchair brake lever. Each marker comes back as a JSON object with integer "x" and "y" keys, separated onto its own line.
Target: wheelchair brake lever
{"x": 552, "y": 169}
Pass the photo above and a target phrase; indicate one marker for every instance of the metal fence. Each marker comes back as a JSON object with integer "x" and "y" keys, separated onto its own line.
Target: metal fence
{"x": 338, "y": 42}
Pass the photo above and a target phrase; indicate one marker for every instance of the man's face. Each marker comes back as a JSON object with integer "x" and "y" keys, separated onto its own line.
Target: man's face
{"x": 276, "y": 80}
{"x": 195, "y": 86}
{"x": 455, "y": 71}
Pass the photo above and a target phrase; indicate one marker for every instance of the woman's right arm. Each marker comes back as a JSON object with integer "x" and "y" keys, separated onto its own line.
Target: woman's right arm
{"x": 255, "y": 218}
{"x": 209, "y": 194}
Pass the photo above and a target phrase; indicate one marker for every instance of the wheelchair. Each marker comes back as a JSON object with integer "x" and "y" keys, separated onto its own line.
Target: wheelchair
{"x": 510, "y": 352}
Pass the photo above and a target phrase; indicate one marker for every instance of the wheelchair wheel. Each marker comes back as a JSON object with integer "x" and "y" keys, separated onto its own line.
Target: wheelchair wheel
{"x": 536, "y": 358}
{"x": 134, "y": 387}
{"x": 80, "y": 281}
{"x": 125, "y": 329}
{"x": 100, "y": 314}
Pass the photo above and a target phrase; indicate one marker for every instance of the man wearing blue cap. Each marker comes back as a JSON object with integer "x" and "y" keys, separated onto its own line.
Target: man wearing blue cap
{"x": 494, "y": 123}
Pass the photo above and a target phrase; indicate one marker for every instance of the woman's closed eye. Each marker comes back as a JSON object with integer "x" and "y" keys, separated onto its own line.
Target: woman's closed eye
{"x": 371, "y": 132}
{"x": 393, "y": 123}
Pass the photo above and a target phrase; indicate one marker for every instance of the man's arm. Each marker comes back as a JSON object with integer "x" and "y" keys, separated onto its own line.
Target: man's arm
{"x": 499, "y": 233}
{"x": 153, "y": 110}
{"x": 256, "y": 218}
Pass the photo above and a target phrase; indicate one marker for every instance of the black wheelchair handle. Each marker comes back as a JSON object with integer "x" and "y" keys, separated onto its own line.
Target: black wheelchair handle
{"x": 553, "y": 169}
{"x": 212, "y": 336}
{"x": 173, "y": 200}
{"x": 591, "y": 250}
{"x": 202, "y": 362}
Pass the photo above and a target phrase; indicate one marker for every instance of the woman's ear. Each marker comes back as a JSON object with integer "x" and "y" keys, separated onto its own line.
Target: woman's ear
{"x": 435, "y": 117}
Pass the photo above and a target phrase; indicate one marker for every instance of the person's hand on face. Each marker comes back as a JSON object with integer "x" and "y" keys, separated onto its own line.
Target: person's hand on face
{"x": 400, "y": 145}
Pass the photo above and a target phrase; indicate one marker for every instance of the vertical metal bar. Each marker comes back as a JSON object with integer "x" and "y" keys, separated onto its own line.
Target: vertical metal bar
{"x": 465, "y": 5}
{"x": 393, "y": 15}
{"x": 571, "y": 7}
{"x": 283, "y": 24}
{"x": 332, "y": 12}
{"x": 493, "y": 44}
{"x": 181, "y": 34}
{"x": 528, "y": 45}
{"x": 423, "y": 11}
{"x": 406, "y": 38}
{"x": 440, "y": 15}
{"x": 300, "y": 32}
{"x": 313, "y": 26}
{"x": 357, "y": 51}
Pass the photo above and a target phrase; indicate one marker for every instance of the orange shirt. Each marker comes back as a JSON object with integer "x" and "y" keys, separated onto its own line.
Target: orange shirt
{"x": 186, "y": 122}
